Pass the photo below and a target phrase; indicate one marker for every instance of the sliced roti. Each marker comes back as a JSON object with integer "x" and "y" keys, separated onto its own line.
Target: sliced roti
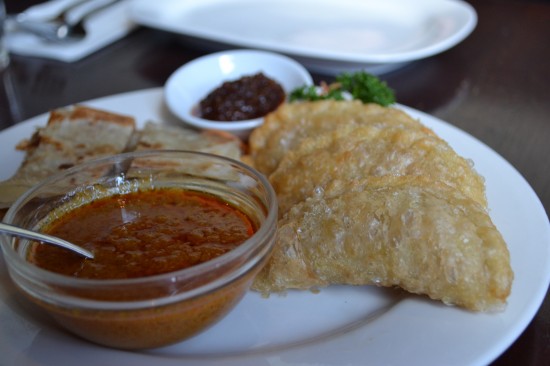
{"x": 76, "y": 134}
{"x": 161, "y": 137}
{"x": 72, "y": 135}
{"x": 155, "y": 136}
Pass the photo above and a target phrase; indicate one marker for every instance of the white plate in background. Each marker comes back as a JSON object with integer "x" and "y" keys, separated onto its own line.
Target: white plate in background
{"x": 326, "y": 35}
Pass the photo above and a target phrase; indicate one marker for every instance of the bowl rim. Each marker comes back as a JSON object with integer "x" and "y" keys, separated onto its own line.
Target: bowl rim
{"x": 14, "y": 261}
{"x": 189, "y": 118}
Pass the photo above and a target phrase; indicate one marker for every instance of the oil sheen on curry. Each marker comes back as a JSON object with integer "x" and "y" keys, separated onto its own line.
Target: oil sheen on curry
{"x": 144, "y": 233}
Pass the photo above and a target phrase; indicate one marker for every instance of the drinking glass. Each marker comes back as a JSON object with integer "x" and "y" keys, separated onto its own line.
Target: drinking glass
{"x": 4, "y": 59}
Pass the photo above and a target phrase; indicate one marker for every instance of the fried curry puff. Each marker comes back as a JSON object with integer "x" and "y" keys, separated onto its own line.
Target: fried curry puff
{"x": 370, "y": 196}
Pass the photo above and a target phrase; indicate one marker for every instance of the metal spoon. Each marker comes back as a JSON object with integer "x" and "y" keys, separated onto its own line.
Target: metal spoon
{"x": 48, "y": 239}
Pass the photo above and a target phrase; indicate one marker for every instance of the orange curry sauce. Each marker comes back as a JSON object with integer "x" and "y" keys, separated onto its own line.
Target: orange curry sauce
{"x": 144, "y": 233}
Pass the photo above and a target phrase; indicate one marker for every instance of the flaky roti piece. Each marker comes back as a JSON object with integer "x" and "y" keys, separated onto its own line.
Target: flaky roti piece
{"x": 72, "y": 135}
{"x": 360, "y": 152}
{"x": 284, "y": 129}
{"x": 425, "y": 237}
{"x": 161, "y": 137}
{"x": 155, "y": 136}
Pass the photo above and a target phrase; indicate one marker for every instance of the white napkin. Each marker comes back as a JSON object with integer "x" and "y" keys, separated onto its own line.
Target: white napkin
{"x": 104, "y": 28}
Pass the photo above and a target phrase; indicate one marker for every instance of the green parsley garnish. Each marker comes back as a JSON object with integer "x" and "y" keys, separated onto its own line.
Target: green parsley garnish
{"x": 360, "y": 85}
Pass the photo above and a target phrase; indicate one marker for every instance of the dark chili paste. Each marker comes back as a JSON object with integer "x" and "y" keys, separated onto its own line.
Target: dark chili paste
{"x": 246, "y": 98}
{"x": 144, "y": 233}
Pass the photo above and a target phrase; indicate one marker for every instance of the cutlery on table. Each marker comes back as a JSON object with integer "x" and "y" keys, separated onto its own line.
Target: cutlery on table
{"x": 60, "y": 28}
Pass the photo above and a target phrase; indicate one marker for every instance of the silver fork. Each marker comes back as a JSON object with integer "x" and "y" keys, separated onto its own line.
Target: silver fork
{"x": 18, "y": 21}
{"x": 60, "y": 28}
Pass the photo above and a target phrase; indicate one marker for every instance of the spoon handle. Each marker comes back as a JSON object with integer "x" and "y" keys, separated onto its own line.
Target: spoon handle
{"x": 17, "y": 231}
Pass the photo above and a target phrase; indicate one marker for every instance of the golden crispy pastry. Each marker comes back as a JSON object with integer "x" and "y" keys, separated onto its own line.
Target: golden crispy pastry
{"x": 356, "y": 152}
{"x": 423, "y": 236}
{"x": 285, "y": 128}
{"x": 369, "y": 196}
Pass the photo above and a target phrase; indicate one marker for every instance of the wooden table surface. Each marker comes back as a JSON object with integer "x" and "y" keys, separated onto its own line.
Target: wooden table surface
{"x": 494, "y": 85}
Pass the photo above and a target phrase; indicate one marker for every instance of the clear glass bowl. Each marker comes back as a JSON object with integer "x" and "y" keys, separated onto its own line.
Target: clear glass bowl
{"x": 150, "y": 311}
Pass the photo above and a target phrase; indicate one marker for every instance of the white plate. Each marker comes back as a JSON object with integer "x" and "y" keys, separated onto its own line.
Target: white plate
{"x": 341, "y": 325}
{"x": 326, "y": 35}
